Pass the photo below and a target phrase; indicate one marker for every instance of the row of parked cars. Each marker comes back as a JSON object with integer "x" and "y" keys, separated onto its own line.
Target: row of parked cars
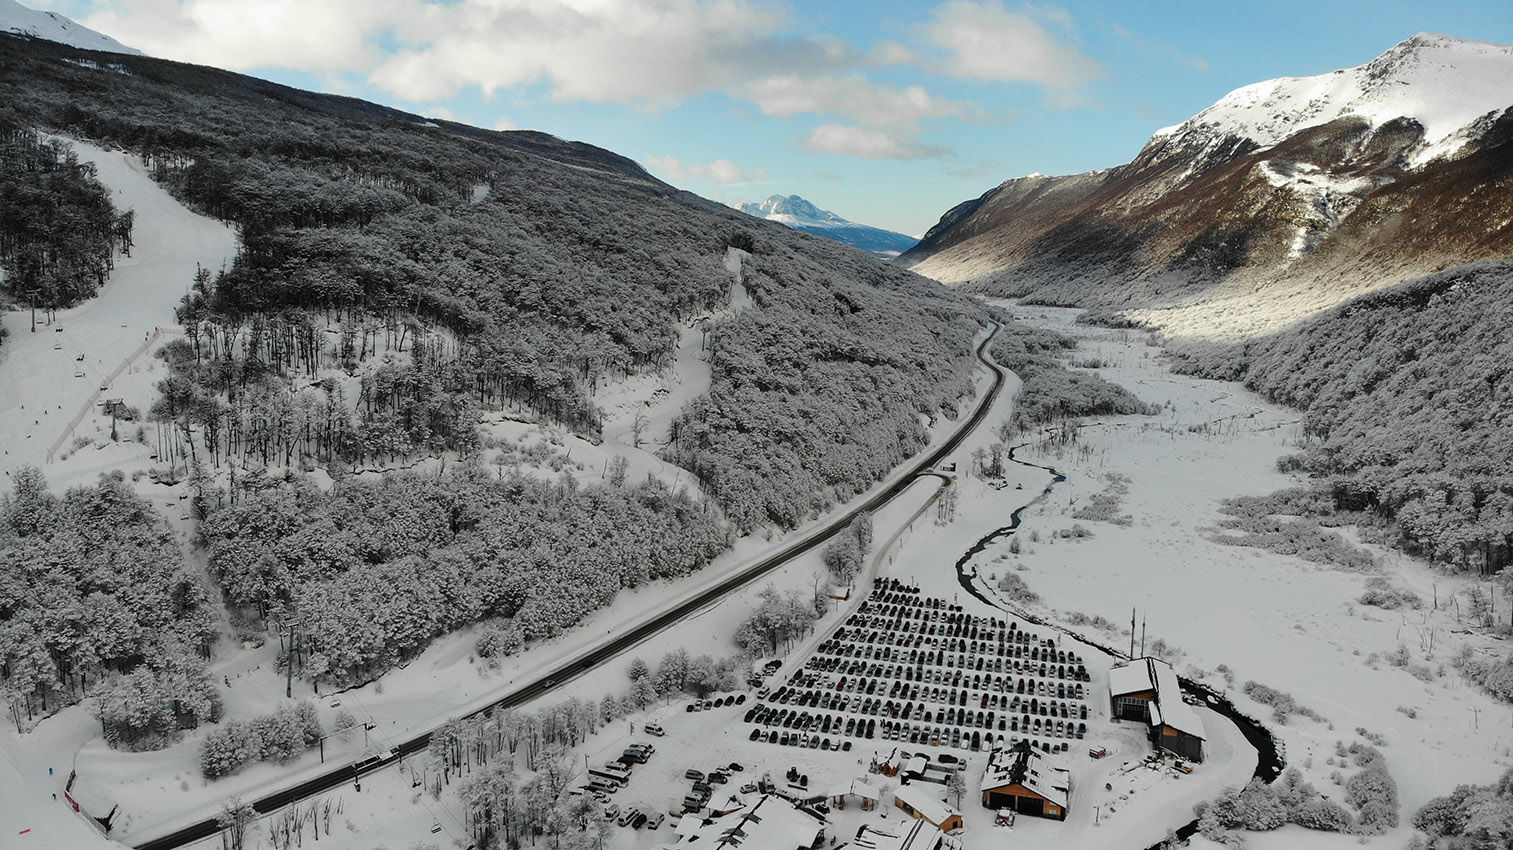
{"x": 717, "y": 702}
{"x": 703, "y": 784}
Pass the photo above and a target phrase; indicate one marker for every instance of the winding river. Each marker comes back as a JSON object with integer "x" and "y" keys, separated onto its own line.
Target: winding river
{"x": 1269, "y": 758}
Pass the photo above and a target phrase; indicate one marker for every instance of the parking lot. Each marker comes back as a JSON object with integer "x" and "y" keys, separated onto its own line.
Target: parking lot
{"x": 916, "y": 669}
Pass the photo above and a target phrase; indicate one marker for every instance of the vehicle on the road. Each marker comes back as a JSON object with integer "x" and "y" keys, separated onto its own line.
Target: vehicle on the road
{"x": 749, "y": 788}
{"x": 653, "y": 729}
{"x": 1097, "y": 752}
{"x": 735, "y": 767}
{"x": 694, "y": 774}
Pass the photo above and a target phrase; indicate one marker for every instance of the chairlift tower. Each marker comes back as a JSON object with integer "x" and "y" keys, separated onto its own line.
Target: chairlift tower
{"x": 31, "y": 295}
{"x": 114, "y": 406}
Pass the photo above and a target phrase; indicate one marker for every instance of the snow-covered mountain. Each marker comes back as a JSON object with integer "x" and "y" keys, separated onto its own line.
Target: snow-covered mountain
{"x": 16, "y": 18}
{"x": 1300, "y": 192}
{"x": 800, "y": 214}
{"x": 1445, "y": 84}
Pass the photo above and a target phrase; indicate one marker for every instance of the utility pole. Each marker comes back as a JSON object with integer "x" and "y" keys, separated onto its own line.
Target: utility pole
{"x": 1132, "y": 633}
{"x": 32, "y": 295}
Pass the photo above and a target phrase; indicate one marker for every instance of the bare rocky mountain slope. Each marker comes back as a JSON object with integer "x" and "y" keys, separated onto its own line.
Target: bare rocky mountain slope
{"x": 1282, "y": 199}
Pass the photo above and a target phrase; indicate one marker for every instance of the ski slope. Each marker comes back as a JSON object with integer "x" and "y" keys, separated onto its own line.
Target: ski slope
{"x": 52, "y": 379}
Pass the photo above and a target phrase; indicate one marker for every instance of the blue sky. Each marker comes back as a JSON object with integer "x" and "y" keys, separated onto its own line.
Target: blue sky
{"x": 886, "y": 112}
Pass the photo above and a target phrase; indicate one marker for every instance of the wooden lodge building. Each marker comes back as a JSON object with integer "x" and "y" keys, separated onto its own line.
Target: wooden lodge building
{"x": 1021, "y": 778}
{"x": 919, "y": 800}
{"x": 1146, "y": 689}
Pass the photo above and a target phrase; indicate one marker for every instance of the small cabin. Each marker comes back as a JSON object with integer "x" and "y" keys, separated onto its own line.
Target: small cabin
{"x": 919, "y": 801}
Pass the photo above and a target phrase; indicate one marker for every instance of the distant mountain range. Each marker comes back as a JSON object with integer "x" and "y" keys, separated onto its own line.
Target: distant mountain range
{"x": 800, "y": 214}
{"x": 1283, "y": 198}
{"x": 52, "y": 26}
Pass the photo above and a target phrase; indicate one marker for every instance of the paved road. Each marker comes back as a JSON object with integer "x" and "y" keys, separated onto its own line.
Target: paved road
{"x": 576, "y": 666}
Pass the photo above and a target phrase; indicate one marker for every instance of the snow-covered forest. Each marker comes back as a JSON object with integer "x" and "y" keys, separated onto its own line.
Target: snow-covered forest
{"x": 59, "y": 233}
{"x": 1052, "y": 392}
{"x": 93, "y": 584}
{"x": 367, "y": 575}
{"x": 398, "y": 278}
{"x": 1407, "y": 403}
{"x": 821, "y": 390}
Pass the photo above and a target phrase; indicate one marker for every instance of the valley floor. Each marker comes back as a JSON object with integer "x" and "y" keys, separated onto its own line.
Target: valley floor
{"x": 1274, "y": 619}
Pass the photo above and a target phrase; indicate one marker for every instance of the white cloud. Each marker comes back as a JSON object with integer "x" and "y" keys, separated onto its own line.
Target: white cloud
{"x": 440, "y": 112}
{"x": 852, "y": 96}
{"x": 869, "y": 143}
{"x": 503, "y": 123}
{"x": 721, "y": 171}
{"x": 985, "y": 41}
{"x": 600, "y": 51}
{"x": 326, "y": 36}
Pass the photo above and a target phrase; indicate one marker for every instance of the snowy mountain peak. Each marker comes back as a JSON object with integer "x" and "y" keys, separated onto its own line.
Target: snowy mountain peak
{"x": 789, "y": 205}
{"x": 1443, "y": 83}
{"x": 51, "y": 26}
{"x": 800, "y": 214}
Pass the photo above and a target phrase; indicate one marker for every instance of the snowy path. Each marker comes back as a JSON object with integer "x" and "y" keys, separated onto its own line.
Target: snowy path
{"x": 38, "y": 370}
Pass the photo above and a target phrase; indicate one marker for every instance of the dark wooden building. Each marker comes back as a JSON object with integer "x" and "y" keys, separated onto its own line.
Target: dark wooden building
{"x": 1022, "y": 778}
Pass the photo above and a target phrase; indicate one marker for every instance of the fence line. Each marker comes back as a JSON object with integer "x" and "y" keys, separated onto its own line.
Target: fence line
{"x": 103, "y": 386}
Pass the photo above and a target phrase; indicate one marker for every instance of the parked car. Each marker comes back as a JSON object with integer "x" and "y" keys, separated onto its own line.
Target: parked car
{"x": 611, "y": 811}
{"x": 1098, "y": 752}
{"x": 627, "y": 816}
{"x": 656, "y": 820}
{"x": 694, "y": 774}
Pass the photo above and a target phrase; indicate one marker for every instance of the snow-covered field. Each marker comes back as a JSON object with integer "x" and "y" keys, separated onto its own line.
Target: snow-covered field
{"x": 1274, "y": 619}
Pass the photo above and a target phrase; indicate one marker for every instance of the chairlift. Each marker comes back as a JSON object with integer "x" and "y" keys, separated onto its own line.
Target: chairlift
{"x": 435, "y": 827}
{"x": 78, "y": 373}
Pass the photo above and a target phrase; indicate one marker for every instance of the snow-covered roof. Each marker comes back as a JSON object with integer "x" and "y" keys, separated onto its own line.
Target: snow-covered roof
{"x": 1169, "y": 709}
{"x": 916, "y": 765}
{"x": 1024, "y": 765}
{"x": 854, "y": 787}
{"x": 688, "y": 825}
{"x": 1130, "y": 678}
{"x": 771, "y": 824}
{"x": 919, "y": 798}
{"x": 918, "y": 835}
